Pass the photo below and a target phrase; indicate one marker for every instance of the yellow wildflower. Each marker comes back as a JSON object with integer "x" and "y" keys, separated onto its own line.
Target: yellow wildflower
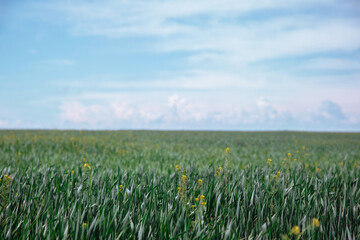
{"x": 86, "y": 165}
{"x": 200, "y": 181}
{"x": 227, "y": 149}
{"x": 289, "y": 155}
{"x": 220, "y": 168}
{"x": 183, "y": 177}
{"x": 297, "y": 151}
{"x": 303, "y": 147}
{"x": 193, "y": 206}
{"x": 203, "y": 203}
{"x": 5, "y": 176}
{"x": 318, "y": 170}
{"x": 355, "y": 165}
{"x": 269, "y": 160}
{"x": 84, "y": 224}
{"x": 84, "y": 159}
{"x": 196, "y": 199}
{"x": 295, "y": 230}
{"x": 341, "y": 164}
{"x": 306, "y": 165}
{"x": 72, "y": 171}
{"x": 202, "y": 197}
{"x": 315, "y": 222}
{"x": 217, "y": 172}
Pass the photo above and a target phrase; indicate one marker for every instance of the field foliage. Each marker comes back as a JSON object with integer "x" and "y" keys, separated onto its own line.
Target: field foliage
{"x": 179, "y": 185}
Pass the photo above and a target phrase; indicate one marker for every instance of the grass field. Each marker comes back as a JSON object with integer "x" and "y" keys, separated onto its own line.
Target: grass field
{"x": 179, "y": 185}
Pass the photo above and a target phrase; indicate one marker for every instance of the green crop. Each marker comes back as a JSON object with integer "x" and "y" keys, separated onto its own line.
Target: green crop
{"x": 179, "y": 185}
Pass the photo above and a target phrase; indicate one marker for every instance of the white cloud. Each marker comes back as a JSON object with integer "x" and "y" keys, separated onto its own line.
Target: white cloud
{"x": 331, "y": 111}
{"x": 212, "y": 26}
{"x": 189, "y": 80}
{"x": 179, "y": 113}
{"x": 4, "y": 123}
{"x": 11, "y": 124}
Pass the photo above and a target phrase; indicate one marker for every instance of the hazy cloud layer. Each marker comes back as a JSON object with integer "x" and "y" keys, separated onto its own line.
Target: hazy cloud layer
{"x": 176, "y": 112}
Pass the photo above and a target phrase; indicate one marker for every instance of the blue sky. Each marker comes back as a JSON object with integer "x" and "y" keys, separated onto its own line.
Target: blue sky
{"x": 207, "y": 65}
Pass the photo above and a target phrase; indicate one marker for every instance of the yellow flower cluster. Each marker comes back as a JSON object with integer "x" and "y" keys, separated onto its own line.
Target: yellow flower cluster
{"x": 295, "y": 230}
{"x": 178, "y": 168}
{"x": 199, "y": 184}
{"x": 202, "y": 200}
{"x": 276, "y": 176}
{"x": 6, "y": 178}
{"x": 218, "y": 171}
{"x": 315, "y": 222}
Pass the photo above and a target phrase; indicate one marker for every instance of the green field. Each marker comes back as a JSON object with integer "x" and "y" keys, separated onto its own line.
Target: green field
{"x": 127, "y": 185}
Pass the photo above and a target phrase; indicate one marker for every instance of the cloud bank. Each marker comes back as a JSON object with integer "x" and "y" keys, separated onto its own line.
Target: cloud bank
{"x": 176, "y": 112}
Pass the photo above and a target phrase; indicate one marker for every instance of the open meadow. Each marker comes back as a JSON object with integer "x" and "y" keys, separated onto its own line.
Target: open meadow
{"x": 179, "y": 185}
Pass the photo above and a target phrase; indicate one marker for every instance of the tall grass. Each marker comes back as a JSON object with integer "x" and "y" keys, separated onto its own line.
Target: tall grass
{"x": 131, "y": 188}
